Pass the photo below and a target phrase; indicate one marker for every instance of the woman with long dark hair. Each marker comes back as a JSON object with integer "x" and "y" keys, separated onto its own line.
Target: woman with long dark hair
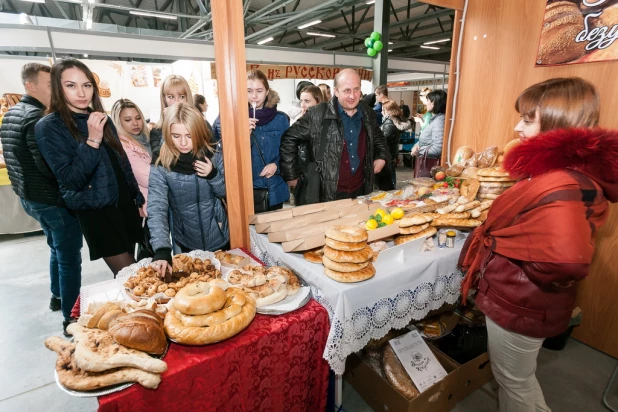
{"x": 429, "y": 147}
{"x": 81, "y": 146}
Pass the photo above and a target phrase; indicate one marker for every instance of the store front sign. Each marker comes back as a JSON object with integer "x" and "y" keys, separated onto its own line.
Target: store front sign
{"x": 578, "y": 32}
{"x": 274, "y": 72}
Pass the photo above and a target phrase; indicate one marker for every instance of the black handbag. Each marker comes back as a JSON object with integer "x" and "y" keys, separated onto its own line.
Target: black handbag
{"x": 308, "y": 186}
{"x": 144, "y": 250}
{"x": 260, "y": 195}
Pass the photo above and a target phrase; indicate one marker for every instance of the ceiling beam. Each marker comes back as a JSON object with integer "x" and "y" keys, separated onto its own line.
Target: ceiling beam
{"x": 264, "y": 11}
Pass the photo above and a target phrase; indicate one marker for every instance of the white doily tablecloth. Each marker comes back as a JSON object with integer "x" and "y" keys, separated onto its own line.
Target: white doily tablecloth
{"x": 396, "y": 295}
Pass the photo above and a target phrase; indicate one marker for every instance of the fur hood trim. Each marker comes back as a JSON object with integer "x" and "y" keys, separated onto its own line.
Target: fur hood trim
{"x": 272, "y": 99}
{"x": 593, "y": 152}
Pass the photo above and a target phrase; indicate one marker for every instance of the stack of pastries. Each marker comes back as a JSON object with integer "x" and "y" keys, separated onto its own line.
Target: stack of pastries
{"x": 347, "y": 257}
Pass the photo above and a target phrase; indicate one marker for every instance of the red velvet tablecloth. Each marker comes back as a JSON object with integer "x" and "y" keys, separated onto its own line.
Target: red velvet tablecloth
{"x": 275, "y": 364}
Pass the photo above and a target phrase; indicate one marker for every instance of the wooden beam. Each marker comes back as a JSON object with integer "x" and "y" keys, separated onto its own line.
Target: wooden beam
{"x": 230, "y": 63}
{"x": 447, "y": 4}
{"x": 453, "y": 73}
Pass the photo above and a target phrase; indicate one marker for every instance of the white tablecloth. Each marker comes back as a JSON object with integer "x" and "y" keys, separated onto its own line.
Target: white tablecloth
{"x": 396, "y": 295}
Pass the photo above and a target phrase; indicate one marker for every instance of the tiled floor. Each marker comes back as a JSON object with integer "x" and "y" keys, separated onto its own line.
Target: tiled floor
{"x": 572, "y": 380}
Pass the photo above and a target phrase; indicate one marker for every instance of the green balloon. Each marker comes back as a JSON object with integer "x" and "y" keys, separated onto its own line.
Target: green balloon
{"x": 371, "y": 52}
{"x": 371, "y": 43}
{"x": 378, "y": 45}
{"x": 375, "y": 35}
{"x": 368, "y": 42}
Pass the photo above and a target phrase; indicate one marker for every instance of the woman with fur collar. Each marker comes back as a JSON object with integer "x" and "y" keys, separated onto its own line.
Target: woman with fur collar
{"x": 538, "y": 241}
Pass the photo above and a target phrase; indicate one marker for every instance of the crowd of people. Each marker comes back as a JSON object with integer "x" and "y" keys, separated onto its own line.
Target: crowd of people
{"x": 124, "y": 181}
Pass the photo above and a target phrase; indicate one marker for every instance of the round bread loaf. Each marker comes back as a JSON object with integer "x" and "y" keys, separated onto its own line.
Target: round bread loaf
{"x": 410, "y": 230}
{"x": 469, "y": 188}
{"x": 497, "y": 184}
{"x": 462, "y": 154}
{"x": 396, "y": 374}
{"x": 344, "y": 233}
{"x": 349, "y": 277}
{"x": 314, "y": 256}
{"x": 415, "y": 220}
{"x": 343, "y": 267}
{"x": 345, "y": 246}
{"x": 358, "y": 256}
{"x": 408, "y": 238}
{"x": 141, "y": 330}
{"x": 511, "y": 145}
{"x": 496, "y": 171}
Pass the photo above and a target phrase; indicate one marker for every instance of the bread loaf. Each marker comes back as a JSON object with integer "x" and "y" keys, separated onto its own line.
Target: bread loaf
{"x": 456, "y": 222}
{"x": 397, "y": 375}
{"x": 141, "y": 330}
{"x": 409, "y": 238}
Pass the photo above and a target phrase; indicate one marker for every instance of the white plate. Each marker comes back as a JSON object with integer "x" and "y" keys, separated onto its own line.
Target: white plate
{"x": 290, "y": 303}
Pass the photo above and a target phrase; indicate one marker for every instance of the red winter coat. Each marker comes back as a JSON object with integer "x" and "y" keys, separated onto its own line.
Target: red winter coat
{"x": 538, "y": 239}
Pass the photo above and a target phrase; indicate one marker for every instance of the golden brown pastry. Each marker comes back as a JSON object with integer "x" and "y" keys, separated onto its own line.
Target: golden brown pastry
{"x": 397, "y": 375}
{"x": 344, "y": 233}
{"x": 562, "y": 23}
{"x": 141, "y": 330}
{"x": 349, "y": 277}
{"x": 314, "y": 256}
{"x": 343, "y": 267}
{"x": 345, "y": 246}
{"x": 410, "y": 230}
{"x": 456, "y": 223}
{"x": 430, "y": 231}
{"x": 359, "y": 256}
{"x": 469, "y": 188}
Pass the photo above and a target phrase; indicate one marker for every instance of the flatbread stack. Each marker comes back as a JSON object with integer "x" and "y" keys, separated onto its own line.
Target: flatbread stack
{"x": 412, "y": 227}
{"x": 493, "y": 182}
{"x": 347, "y": 257}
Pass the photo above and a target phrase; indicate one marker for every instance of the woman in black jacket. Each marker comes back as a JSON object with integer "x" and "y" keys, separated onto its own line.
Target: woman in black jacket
{"x": 393, "y": 125}
{"x": 81, "y": 146}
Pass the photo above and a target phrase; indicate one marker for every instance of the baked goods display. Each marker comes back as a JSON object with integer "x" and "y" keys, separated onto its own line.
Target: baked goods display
{"x": 493, "y": 182}
{"x": 231, "y": 260}
{"x": 95, "y": 360}
{"x": 348, "y": 258}
{"x": 185, "y": 269}
{"x": 208, "y": 312}
{"x": 265, "y": 285}
{"x": 314, "y": 256}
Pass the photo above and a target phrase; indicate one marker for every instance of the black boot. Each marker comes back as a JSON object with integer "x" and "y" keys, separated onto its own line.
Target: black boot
{"x": 54, "y": 304}
{"x": 66, "y": 323}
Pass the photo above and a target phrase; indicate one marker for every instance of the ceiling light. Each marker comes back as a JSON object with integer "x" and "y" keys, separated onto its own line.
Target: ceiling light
{"x": 312, "y": 33}
{"x": 437, "y": 41}
{"x": 390, "y": 42}
{"x": 311, "y": 23}
{"x": 34, "y": 1}
{"x": 266, "y": 40}
{"x": 73, "y": 1}
{"x": 390, "y": 50}
{"x": 160, "y": 16}
{"x": 85, "y": 55}
{"x": 430, "y": 47}
{"x": 370, "y": 2}
{"x": 24, "y": 18}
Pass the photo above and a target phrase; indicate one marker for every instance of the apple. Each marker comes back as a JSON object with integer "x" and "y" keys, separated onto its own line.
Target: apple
{"x": 440, "y": 176}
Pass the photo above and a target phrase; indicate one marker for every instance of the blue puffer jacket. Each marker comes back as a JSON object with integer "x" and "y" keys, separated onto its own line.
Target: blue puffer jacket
{"x": 85, "y": 175}
{"x": 199, "y": 218}
{"x": 268, "y": 137}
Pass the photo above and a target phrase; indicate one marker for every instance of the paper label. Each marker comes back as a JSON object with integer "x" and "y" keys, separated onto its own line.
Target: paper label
{"x": 418, "y": 360}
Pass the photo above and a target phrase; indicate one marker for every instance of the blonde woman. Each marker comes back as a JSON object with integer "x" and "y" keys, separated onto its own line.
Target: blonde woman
{"x": 187, "y": 185}
{"x": 174, "y": 89}
{"x": 135, "y": 138}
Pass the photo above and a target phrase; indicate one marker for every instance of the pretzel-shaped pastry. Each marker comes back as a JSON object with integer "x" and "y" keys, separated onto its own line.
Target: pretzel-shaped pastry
{"x": 199, "y": 299}
{"x": 232, "y": 307}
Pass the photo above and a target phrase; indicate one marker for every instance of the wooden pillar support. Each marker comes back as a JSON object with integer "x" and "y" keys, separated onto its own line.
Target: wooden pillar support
{"x": 230, "y": 63}
{"x": 450, "y": 97}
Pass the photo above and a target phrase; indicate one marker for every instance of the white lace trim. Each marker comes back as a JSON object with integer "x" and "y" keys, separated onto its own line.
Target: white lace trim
{"x": 351, "y": 334}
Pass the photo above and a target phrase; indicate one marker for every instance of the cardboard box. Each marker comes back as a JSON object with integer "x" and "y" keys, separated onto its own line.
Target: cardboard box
{"x": 381, "y": 396}
{"x": 291, "y": 212}
{"x": 472, "y": 375}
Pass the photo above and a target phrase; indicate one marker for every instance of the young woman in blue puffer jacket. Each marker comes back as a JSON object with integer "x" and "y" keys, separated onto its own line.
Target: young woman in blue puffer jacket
{"x": 267, "y": 125}
{"x": 81, "y": 146}
{"x": 186, "y": 184}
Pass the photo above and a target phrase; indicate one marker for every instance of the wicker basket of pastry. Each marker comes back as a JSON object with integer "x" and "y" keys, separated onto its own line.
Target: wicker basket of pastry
{"x": 146, "y": 283}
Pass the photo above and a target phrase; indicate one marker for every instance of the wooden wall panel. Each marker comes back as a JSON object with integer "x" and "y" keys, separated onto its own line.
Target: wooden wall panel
{"x": 449, "y": 4}
{"x": 498, "y": 54}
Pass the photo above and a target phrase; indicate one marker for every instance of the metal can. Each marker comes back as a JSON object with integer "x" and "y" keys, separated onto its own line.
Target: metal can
{"x": 442, "y": 239}
{"x": 450, "y": 241}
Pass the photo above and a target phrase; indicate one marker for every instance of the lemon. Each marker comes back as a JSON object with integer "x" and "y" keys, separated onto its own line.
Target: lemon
{"x": 397, "y": 213}
{"x": 371, "y": 224}
{"x": 388, "y": 219}
{"x": 381, "y": 212}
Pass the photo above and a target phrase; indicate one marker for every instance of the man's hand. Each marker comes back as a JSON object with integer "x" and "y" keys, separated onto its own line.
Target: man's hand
{"x": 292, "y": 183}
{"x": 378, "y": 165}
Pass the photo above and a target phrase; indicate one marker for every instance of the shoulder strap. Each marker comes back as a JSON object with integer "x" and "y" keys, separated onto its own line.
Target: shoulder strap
{"x": 322, "y": 149}
{"x": 257, "y": 145}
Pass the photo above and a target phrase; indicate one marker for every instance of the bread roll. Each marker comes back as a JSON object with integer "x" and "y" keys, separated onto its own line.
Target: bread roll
{"x": 511, "y": 145}
{"x": 343, "y": 267}
{"x": 415, "y": 220}
{"x": 430, "y": 231}
{"x": 497, "y": 171}
{"x": 349, "y": 277}
{"x": 462, "y": 154}
{"x": 410, "y": 230}
{"x": 456, "y": 222}
{"x": 141, "y": 330}
{"x": 469, "y": 188}
{"x": 314, "y": 256}
{"x": 359, "y": 256}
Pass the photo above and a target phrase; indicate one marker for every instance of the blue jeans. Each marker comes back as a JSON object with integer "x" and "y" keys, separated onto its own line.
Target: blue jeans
{"x": 64, "y": 238}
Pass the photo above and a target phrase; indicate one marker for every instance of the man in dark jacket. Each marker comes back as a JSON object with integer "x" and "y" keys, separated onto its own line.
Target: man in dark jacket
{"x": 355, "y": 146}
{"x": 36, "y": 185}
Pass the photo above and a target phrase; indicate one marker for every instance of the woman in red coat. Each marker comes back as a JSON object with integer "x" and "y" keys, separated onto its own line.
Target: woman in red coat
{"x": 538, "y": 240}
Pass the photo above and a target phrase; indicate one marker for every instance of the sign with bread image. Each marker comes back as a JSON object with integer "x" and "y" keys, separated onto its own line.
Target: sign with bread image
{"x": 580, "y": 31}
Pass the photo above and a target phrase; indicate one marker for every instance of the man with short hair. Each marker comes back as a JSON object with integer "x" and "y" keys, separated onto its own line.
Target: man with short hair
{"x": 37, "y": 187}
{"x": 355, "y": 147}
{"x": 381, "y": 93}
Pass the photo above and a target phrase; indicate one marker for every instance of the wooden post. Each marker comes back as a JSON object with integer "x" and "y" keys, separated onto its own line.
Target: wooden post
{"x": 230, "y": 64}
{"x": 452, "y": 76}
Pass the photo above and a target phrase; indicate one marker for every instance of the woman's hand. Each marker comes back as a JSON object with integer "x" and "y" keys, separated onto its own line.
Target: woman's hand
{"x": 269, "y": 170}
{"x": 142, "y": 212}
{"x": 418, "y": 119}
{"x": 163, "y": 268}
{"x": 252, "y": 123}
{"x": 204, "y": 168}
{"x": 414, "y": 151}
{"x": 96, "y": 124}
